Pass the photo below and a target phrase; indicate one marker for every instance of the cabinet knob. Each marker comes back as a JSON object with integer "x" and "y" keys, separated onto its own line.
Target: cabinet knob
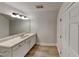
{"x": 19, "y": 45}
{"x": 4, "y": 51}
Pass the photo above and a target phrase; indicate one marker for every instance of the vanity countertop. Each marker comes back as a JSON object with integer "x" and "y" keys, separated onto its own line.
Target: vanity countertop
{"x": 12, "y": 42}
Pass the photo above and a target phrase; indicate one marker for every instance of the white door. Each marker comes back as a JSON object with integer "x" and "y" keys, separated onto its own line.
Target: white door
{"x": 74, "y": 30}
{"x": 65, "y": 34}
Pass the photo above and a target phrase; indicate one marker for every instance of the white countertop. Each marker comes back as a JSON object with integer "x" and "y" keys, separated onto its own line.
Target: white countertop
{"x": 14, "y": 41}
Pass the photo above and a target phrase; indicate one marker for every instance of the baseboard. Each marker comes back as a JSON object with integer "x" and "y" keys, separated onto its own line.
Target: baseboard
{"x": 46, "y": 44}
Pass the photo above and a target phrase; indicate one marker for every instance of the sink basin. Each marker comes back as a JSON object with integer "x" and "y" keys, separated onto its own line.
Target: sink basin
{"x": 15, "y": 38}
{"x": 25, "y": 35}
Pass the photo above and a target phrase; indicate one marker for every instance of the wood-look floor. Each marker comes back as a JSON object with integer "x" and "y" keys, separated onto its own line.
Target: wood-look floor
{"x": 43, "y": 51}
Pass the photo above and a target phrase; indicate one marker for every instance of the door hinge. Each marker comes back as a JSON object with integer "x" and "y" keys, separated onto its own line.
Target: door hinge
{"x": 60, "y": 19}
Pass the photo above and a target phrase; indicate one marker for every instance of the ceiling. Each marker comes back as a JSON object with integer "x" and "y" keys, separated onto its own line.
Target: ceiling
{"x": 31, "y": 6}
{"x": 28, "y": 8}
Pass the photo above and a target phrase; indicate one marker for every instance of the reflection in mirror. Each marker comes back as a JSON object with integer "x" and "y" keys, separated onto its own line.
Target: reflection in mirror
{"x": 11, "y": 25}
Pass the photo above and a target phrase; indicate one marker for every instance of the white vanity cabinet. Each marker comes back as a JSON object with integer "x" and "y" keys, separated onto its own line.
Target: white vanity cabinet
{"x": 20, "y": 49}
{"x": 23, "y": 48}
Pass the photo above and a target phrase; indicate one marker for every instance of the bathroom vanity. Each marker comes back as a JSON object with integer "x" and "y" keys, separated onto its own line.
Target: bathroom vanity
{"x": 17, "y": 45}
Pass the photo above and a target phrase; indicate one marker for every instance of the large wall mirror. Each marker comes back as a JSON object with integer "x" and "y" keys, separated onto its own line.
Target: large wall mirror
{"x": 11, "y": 25}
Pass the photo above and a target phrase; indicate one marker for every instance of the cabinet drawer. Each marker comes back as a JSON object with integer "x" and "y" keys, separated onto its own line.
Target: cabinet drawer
{"x": 4, "y": 52}
{"x": 18, "y": 46}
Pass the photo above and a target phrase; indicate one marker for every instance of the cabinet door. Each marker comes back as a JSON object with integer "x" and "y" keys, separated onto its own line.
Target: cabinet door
{"x": 19, "y": 50}
{"x": 74, "y": 30}
{"x": 5, "y": 52}
{"x": 32, "y": 41}
{"x": 27, "y": 45}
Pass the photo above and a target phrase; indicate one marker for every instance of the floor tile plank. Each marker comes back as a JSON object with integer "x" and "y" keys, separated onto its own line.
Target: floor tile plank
{"x": 43, "y": 51}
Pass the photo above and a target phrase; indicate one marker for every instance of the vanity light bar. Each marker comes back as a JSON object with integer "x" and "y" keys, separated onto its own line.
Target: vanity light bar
{"x": 19, "y": 16}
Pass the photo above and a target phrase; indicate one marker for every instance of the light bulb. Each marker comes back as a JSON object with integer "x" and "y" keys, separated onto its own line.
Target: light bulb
{"x": 24, "y": 18}
{"x": 14, "y": 14}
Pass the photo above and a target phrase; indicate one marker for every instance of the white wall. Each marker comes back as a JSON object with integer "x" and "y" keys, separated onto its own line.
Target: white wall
{"x": 4, "y": 27}
{"x": 45, "y": 24}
